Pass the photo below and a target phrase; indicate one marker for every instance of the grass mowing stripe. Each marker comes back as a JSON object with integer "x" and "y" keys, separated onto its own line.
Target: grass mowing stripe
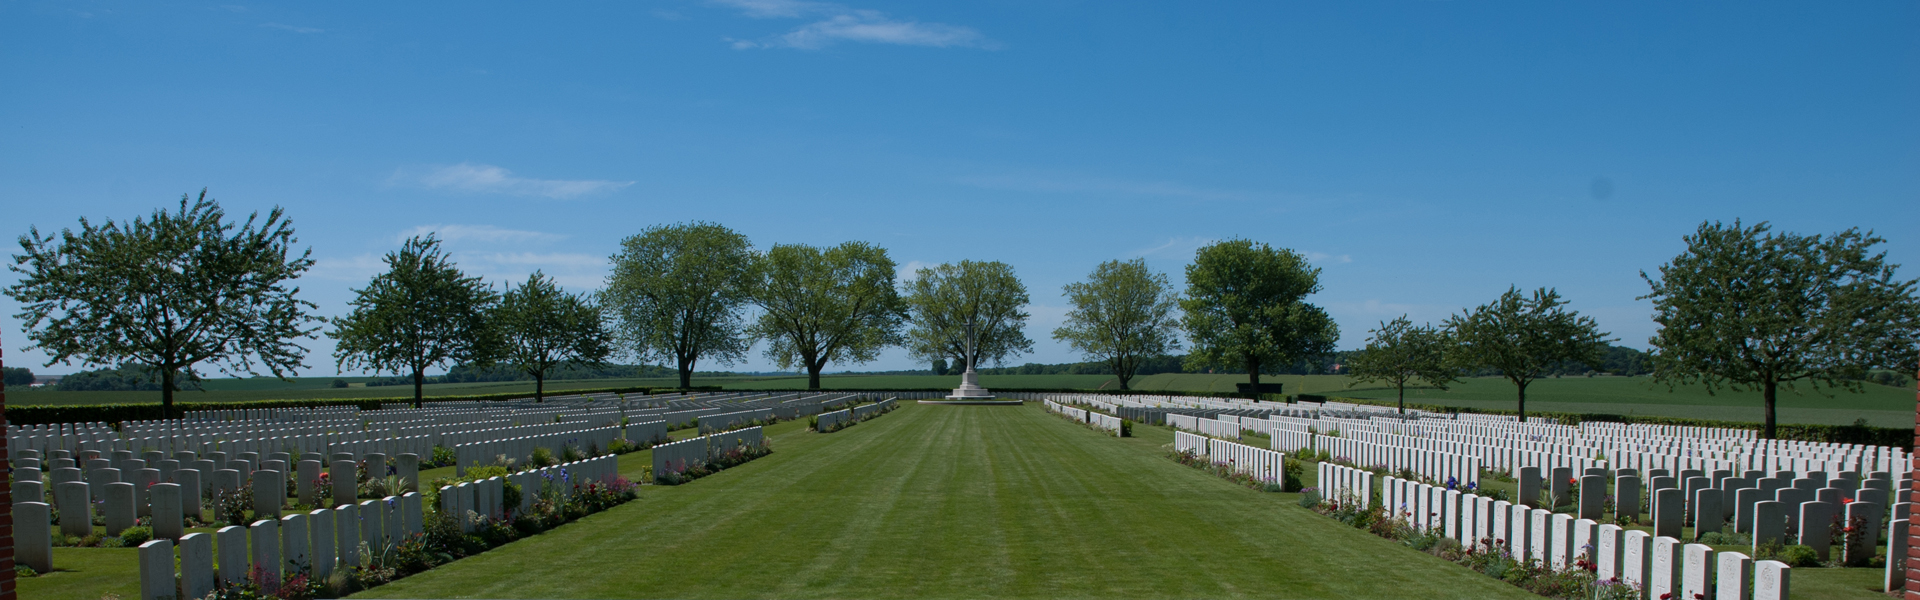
{"x": 955, "y": 501}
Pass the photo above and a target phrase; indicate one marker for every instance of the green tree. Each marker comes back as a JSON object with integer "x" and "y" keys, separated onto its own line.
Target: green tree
{"x": 827, "y": 305}
{"x": 18, "y": 376}
{"x": 1525, "y": 337}
{"x": 421, "y": 313}
{"x": 1747, "y": 309}
{"x": 1399, "y": 353}
{"x": 1245, "y": 308}
{"x": 678, "y": 293}
{"x": 943, "y": 300}
{"x": 1122, "y": 315}
{"x": 543, "y": 328}
{"x": 170, "y": 292}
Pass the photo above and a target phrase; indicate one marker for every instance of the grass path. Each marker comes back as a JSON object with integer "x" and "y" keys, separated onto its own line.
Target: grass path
{"x": 947, "y": 501}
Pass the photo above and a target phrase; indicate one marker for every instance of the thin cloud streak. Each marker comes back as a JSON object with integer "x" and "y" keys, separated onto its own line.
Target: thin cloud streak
{"x": 478, "y": 233}
{"x": 284, "y": 27}
{"x": 844, "y": 24}
{"x": 467, "y": 177}
{"x": 1176, "y": 247}
{"x": 1080, "y": 185}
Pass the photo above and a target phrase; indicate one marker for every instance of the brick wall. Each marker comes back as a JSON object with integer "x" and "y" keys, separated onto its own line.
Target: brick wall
{"x": 1913, "y": 532}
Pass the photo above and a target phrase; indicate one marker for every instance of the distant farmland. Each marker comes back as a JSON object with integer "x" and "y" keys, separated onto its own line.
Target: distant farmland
{"x": 1880, "y": 405}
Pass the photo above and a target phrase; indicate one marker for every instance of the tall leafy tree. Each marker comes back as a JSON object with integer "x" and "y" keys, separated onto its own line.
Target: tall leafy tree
{"x": 170, "y": 291}
{"x": 1524, "y": 337}
{"x": 822, "y": 305}
{"x": 423, "y": 312}
{"x": 1245, "y": 308}
{"x": 1399, "y": 353}
{"x": 943, "y": 300}
{"x": 1747, "y": 309}
{"x": 678, "y": 293}
{"x": 543, "y": 328}
{"x": 1122, "y": 314}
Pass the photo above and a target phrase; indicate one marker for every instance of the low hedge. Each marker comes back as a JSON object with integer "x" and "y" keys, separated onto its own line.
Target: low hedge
{"x": 1265, "y": 397}
{"x": 37, "y": 414}
{"x": 1832, "y": 434}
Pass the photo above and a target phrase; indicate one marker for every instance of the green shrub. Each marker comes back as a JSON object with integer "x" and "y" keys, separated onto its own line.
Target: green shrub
{"x": 1798, "y": 556}
{"x": 542, "y": 458}
{"x": 1126, "y": 428}
{"x": 134, "y": 536}
{"x": 1290, "y": 472}
{"x": 1309, "y": 498}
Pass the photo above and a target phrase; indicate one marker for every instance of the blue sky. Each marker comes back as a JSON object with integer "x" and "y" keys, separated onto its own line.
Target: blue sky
{"x": 1426, "y": 155}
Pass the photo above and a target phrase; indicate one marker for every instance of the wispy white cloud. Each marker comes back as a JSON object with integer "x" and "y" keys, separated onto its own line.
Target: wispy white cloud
{"x": 910, "y": 270}
{"x": 1094, "y": 185}
{"x": 293, "y": 28}
{"x": 478, "y": 233}
{"x": 838, "y": 23}
{"x": 1322, "y": 257}
{"x": 547, "y": 259}
{"x": 1181, "y": 248}
{"x": 353, "y": 268}
{"x": 468, "y": 177}
{"x": 773, "y": 9}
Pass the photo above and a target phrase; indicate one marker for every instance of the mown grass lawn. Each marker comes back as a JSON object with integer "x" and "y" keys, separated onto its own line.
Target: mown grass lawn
{"x": 954, "y": 501}
{"x": 937, "y": 501}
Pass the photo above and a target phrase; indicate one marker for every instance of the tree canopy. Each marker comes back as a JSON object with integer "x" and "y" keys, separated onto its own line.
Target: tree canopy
{"x": 543, "y": 328}
{"x": 826, "y": 305}
{"x": 421, "y": 313}
{"x": 1747, "y": 309}
{"x": 170, "y": 291}
{"x": 943, "y": 299}
{"x": 1122, "y": 315}
{"x": 1525, "y": 337}
{"x": 1245, "y": 308}
{"x": 678, "y": 294}
{"x": 1400, "y": 353}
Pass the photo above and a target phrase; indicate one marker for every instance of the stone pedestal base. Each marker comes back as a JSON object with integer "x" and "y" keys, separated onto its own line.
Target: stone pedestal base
{"x": 970, "y": 388}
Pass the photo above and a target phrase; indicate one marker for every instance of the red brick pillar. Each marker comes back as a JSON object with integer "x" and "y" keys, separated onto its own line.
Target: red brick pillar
{"x": 6, "y": 503}
{"x": 1913, "y": 485}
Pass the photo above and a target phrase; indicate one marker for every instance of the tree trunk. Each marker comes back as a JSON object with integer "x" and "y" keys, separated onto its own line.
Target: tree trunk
{"x": 419, "y": 380}
{"x": 813, "y": 374}
{"x": 166, "y": 393}
{"x": 1253, "y": 377}
{"x": 1121, "y": 373}
{"x": 1523, "y": 402}
{"x": 540, "y": 387}
{"x": 1768, "y": 392}
{"x": 686, "y": 374}
{"x": 1403, "y": 398}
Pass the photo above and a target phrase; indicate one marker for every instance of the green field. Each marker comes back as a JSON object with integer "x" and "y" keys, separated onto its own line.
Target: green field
{"x": 938, "y": 502}
{"x": 1880, "y": 405}
{"x": 952, "y": 501}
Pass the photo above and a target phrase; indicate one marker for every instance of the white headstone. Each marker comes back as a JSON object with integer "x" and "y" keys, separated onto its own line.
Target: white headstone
{"x": 1733, "y": 575}
{"x": 1770, "y": 580}
{"x": 156, "y": 570}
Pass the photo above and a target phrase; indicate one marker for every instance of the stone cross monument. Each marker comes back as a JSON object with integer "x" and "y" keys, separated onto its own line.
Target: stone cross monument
{"x": 970, "y": 381}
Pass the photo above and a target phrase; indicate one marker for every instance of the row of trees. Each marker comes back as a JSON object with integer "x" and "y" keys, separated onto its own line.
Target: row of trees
{"x": 1743, "y": 308}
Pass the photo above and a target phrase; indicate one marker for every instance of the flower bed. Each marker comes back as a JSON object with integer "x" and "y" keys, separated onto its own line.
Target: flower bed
{"x": 1489, "y": 557}
{"x": 683, "y": 472}
{"x": 1289, "y": 482}
{"x": 813, "y": 422}
{"x": 441, "y": 542}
